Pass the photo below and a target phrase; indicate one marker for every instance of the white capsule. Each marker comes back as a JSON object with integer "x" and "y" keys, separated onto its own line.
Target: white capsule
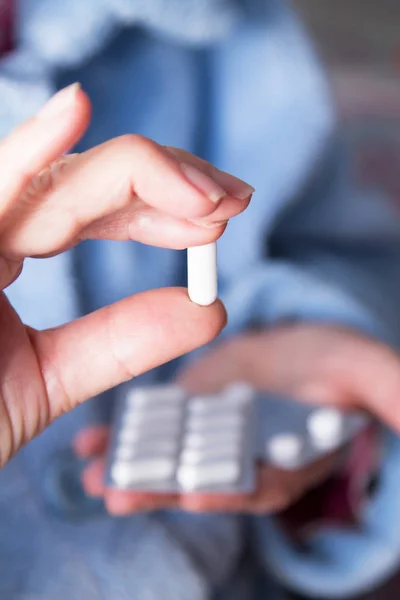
{"x": 230, "y": 423}
{"x": 163, "y": 395}
{"x": 240, "y": 392}
{"x": 226, "y": 439}
{"x": 195, "y": 456}
{"x": 219, "y": 473}
{"x": 284, "y": 450}
{"x": 325, "y": 427}
{"x": 157, "y": 414}
{"x": 125, "y": 474}
{"x": 202, "y": 274}
{"x": 162, "y": 447}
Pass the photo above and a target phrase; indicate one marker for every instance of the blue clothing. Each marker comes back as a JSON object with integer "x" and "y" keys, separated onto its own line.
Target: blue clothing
{"x": 237, "y": 83}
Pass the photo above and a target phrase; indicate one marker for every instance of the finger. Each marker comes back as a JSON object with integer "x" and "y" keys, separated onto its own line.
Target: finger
{"x": 118, "y": 177}
{"x": 279, "y": 489}
{"x": 233, "y": 186}
{"x": 40, "y": 140}
{"x": 93, "y": 478}
{"x": 202, "y": 503}
{"x": 120, "y": 503}
{"x": 115, "y": 344}
{"x": 238, "y": 195}
{"x": 363, "y": 373}
{"x": 91, "y": 441}
{"x": 148, "y": 226}
{"x": 275, "y": 489}
{"x": 375, "y": 385}
{"x": 234, "y": 502}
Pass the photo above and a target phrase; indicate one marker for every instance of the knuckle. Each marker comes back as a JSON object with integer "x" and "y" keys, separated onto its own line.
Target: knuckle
{"x": 56, "y": 398}
{"x": 133, "y": 143}
{"x": 47, "y": 179}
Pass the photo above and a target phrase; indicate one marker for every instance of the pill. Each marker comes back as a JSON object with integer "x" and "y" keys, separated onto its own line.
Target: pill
{"x": 194, "y": 456}
{"x": 239, "y": 392}
{"x": 215, "y": 438}
{"x": 163, "y": 395}
{"x": 222, "y": 422}
{"x": 123, "y": 453}
{"x": 144, "y": 418}
{"x": 147, "y": 447}
{"x": 284, "y": 449}
{"x": 325, "y": 427}
{"x": 214, "y": 406}
{"x": 200, "y": 405}
{"x": 202, "y": 274}
{"x": 155, "y": 431}
{"x": 125, "y": 474}
{"x": 219, "y": 473}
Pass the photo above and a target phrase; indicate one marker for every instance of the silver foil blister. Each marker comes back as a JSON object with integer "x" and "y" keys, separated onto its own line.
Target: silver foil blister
{"x": 165, "y": 441}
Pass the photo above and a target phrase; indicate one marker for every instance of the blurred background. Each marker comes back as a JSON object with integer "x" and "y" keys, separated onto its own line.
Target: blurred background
{"x": 359, "y": 42}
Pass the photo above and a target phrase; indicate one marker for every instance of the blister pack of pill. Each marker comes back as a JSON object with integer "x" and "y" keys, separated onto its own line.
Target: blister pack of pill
{"x": 166, "y": 441}
{"x": 292, "y": 435}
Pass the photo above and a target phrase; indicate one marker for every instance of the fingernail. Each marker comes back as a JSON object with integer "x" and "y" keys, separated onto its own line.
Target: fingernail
{"x": 203, "y": 183}
{"x": 233, "y": 185}
{"x": 58, "y": 103}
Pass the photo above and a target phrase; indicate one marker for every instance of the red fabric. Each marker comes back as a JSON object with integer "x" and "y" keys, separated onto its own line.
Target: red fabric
{"x": 339, "y": 501}
{"x": 7, "y": 21}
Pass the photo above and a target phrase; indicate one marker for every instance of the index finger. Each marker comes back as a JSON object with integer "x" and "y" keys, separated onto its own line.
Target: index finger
{"x": 41, "y": 139}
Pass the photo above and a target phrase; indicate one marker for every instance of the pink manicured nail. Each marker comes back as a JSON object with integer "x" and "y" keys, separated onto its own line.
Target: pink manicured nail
{"x": 233, "y": 185}
{"x": 203, "y": 183}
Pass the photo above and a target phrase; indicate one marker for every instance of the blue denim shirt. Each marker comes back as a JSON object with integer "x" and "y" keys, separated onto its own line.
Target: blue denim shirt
{"x": 238, "y": 83}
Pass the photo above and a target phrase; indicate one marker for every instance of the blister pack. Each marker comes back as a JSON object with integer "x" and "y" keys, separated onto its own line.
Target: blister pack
{"x": 166, "y": 441}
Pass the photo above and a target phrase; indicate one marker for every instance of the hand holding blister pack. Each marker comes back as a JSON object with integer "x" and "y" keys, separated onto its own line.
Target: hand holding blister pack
{"x": 167, "y": 441}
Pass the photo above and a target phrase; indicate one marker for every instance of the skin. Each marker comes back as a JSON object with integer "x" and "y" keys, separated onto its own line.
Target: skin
{"x": 318, "y": 364}
{"x": 129, "y": 188}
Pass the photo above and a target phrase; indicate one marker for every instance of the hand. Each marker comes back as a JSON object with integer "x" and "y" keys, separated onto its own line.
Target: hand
{"x": 317, "y": 364}
{"x": 313, "y": 363}
{"x": 128, "y": 188}
{"x": 275, "y": 490}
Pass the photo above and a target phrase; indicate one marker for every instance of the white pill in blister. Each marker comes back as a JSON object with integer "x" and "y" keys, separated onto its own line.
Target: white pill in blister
{"x": 212, "y": 474}
{"x": 147, "y": 447}
{"x": 128, "y": 436}
{"x": 162, "y": 395}
{"x": 130, "y": 473}
{"x": 239, "y": 392}
{"x": 325, "y": 427}
{"x": 148, "y": 418}
{"x": 136, "y": 435}
{"x": 222, "y": 422}
{"x": 215, "y": 438}
{"x": 284, "y": 449}
{"x": 194, "y": 456}
{"x": 202, "y": 274}
{"x": 201, "y": 405}
{"x": 123, "y": 453}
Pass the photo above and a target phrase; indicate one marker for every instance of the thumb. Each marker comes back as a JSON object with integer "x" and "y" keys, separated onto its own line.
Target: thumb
{"x": 374, "y": 383}
{"x": 368, "y": 379}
